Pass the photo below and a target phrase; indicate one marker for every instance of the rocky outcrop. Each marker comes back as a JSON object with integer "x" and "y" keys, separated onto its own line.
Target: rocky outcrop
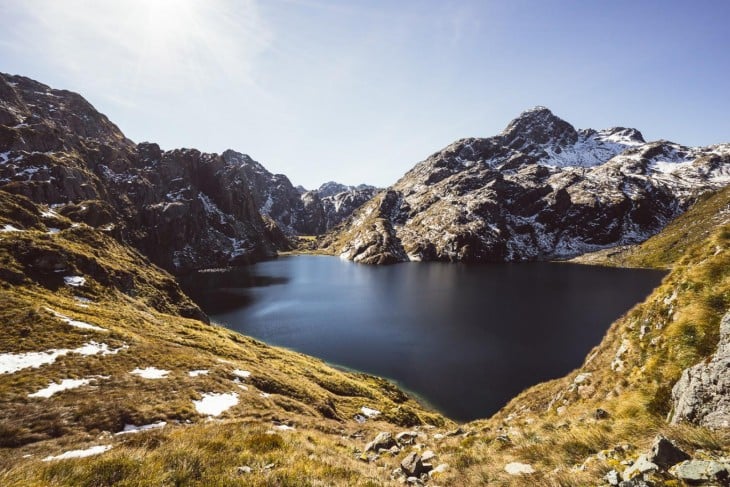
{"x": 184, "y": 209}
{"x": 666, "y": 464}
{"x": 539, "y": 190}
{"x": 702, "y": 394}
{"x": 295, "y": 210}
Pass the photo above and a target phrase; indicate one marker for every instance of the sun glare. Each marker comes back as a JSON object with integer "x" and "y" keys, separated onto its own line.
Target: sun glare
{"x": 170, "y": 19}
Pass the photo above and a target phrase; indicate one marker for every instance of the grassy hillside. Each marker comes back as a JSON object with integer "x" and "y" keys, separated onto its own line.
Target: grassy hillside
{"x": 555, "y": 426}
{"x": 669, "y": 246}
{"x": 294, "y": 422}
{"x": 127, "y": 316}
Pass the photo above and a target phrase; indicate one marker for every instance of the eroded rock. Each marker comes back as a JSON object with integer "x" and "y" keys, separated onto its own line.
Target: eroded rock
{"x": 702, "y": 394}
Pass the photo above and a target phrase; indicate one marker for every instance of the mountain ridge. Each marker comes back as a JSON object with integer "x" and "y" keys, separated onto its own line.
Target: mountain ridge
{"x": 183, "y": 208}
{"x": 539, "y": 190}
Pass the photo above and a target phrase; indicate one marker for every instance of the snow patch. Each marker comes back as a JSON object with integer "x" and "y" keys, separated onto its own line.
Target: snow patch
{"x": 669, "y": 167}
{"x": 50, "y": 214}
{"x": 74, "y": 281}
{"x": 10, "y": 228}
{"x": 151, "y": 373}
{"x": 64, "y": 385}
{"x": 82, "y": 302}
{"x": 196, "y": 373}
{"x": 130, "y": 428}
{"x": 75, "y": 323}
{"x": 13, "y": 362}
{"x": 214, "y": 404}
{"x": 94, "y": 450}
{"x": 516, "y": 468}
{"x": 369, "y": 412}
{"x": 244, "y": 374}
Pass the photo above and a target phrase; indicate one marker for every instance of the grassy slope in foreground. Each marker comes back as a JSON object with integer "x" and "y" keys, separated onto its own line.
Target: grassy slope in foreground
{"x": 550, "y": 426}
{"x": 630, "y": 374}
{"x": 134, "y": 309}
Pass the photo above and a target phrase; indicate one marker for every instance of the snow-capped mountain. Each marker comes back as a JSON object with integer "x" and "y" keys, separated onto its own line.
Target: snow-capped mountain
{"x": 541, "y": 189}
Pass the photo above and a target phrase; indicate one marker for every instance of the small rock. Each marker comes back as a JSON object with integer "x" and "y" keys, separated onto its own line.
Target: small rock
{"x": 244, "y": 470}
{"x": 428, "y": 455}
{"x": 633, "y": 483}
{"x": 600, "y": 414}
{"x": 269, "y": 466}
{"x": 516, "y": 468}
{"x": 581, "y": 378}
{"x": 383, "y": 441}
{"x": 701, "y": 471}
{"x": 414, "y": 481}
{"x": 406, "y": 437}
{"x": 612, "y": 477}
{"x": 664, "y": 453}
{"x": 394, "y": 450}
{"x": 412, "y": 465}
{"x": 503, "y": 439}
{"x": 642, "y": 465}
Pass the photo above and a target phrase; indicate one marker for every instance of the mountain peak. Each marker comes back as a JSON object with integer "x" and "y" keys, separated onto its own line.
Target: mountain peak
{"x": 538, "y": 125}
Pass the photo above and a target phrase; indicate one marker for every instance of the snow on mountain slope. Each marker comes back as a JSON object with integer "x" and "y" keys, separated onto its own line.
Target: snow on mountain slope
{"x": 541, "y": 189}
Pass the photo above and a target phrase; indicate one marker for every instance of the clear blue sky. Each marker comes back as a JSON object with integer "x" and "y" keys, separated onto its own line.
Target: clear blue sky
{"x": 361, "y": 91}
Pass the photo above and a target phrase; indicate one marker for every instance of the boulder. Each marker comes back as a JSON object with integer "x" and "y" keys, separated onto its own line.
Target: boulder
{"x": 664, "y": 453}
{"x": 412, "y": 465}
{"x": 698, "y": 472}
{"x": 383, "y": 441}
{"x": 641, "y": 466}
{"x": 428, "y": 455}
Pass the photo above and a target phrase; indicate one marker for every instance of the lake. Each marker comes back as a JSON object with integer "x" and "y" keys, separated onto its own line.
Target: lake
{"x": 465, "y": 338}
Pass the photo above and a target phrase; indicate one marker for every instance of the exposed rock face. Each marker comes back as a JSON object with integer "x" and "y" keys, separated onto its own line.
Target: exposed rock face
{"x": 540, "y": 189}
{"x": 703, "y": 472}
{"x": 295, "y": 210}
{"x": 702, "y": 394}
{"x": 183, "y": 208}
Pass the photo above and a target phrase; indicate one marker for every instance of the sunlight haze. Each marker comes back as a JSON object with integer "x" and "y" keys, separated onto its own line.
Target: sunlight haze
{"x": 358, "y": 92}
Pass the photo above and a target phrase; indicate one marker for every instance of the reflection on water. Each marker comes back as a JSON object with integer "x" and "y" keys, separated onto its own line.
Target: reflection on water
{"x": 465, "y": 338}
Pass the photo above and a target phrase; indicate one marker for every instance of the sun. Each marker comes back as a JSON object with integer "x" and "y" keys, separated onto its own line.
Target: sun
{"x": 169, "y": 20}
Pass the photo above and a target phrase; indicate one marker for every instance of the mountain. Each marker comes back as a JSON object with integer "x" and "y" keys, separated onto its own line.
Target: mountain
{"x": 539, "y": 190}
{"x": 97, "y": 360}
{"x": 182, "y": 208}
{"x": 295, "y": 210}
{"x": 110, "y": 375}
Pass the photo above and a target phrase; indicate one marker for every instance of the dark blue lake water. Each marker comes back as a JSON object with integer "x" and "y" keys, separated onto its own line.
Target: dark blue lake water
{"x": 465, "y": 338}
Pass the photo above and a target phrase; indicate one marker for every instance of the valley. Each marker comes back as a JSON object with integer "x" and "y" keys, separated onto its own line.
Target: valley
{"x": 111, "y": 374}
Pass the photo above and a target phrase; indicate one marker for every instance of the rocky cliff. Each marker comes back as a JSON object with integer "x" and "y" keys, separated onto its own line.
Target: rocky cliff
{"x": 182, "y": 208}
{"x": 539, "y": 190}
{"x": 295, "y": 210}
